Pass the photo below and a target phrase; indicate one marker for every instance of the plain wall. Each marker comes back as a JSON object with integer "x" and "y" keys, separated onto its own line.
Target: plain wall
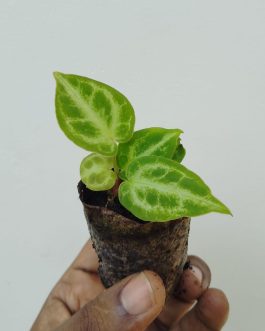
{"x": 194, "y": 65}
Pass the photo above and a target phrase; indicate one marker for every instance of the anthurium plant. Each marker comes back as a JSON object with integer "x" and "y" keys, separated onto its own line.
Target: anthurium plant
{"x": 144, "y": 165}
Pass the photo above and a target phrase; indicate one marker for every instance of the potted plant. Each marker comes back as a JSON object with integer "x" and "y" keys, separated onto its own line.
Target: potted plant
{"x": 137, "y": 196}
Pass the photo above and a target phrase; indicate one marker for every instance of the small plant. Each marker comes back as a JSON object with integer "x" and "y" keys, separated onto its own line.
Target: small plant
{"x": 143, "y": 167}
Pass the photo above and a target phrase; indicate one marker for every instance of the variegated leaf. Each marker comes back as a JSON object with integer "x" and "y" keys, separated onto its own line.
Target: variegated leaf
{"x": 179, "y": 154}
{"x": 160, "y": 189}
{"x": 150, "y": 141}
{"x": 93, "y": 115}
{"x": 96, "y": 172}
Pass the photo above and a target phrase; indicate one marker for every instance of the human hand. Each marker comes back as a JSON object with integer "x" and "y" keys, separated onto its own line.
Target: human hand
{"x": 79, "y": 301}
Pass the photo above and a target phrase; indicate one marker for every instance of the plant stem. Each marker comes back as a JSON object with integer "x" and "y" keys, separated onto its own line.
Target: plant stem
{"x": 113, "y": 193}
{"x": 116, "y": 188}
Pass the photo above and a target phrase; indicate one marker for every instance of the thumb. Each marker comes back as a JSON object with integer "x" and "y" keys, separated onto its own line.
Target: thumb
{"x": 131, "y": 304}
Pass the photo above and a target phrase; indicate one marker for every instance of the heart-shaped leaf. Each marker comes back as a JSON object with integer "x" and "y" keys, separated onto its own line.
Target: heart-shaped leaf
{"x": 150, "y": 141}
{"x": 179, "y": 154}
{"x": 93, "y": 115}
{"x": 160, "y": 189}
{"x": 96, "y": 172}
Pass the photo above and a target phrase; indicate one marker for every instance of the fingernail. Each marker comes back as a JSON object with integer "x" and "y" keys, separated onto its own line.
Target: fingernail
{"x": 201, "y": 271}
{"x": 194, "y": 280}
{"x": 137, "y": 296}
{"x": 197, "y": 273}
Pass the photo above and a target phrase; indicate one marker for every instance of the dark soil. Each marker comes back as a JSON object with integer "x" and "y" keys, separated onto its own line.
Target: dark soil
{"x": 126, "y": 245}
{"x": 101, "y": 198}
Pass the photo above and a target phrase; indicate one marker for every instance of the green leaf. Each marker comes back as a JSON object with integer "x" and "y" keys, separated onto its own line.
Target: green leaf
{"x": 93, "y": 115}
{"x": 179, "y": 154}
{"x": 159, "y": 189}
{"x": 96, "y": 172}
{"x": 151, "y": 141}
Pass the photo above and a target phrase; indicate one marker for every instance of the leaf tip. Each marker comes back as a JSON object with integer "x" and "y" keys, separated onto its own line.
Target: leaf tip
{"x": 227, "y": 211}
{"x": 222, "y": 208}
{"x": 57, "y": 74}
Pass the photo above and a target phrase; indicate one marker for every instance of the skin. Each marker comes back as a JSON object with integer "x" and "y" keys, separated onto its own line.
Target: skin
{"x": 79, "y": 302}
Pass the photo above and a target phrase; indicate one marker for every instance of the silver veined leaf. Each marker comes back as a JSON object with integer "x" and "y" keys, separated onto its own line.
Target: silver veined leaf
{"x": 179, "y": 154}
{"x": 93, "y": 115}
{"x": 159, "y": 189}
{"x": 150, "y": 141}
{"x": 96, "y": 172}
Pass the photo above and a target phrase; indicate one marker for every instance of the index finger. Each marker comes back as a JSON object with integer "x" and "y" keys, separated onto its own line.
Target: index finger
{"x": 194, "y": 281}
{"x": 87, "y": 259}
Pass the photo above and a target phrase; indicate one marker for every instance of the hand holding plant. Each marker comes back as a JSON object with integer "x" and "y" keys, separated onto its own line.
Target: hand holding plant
{"x": 137, "y": 196}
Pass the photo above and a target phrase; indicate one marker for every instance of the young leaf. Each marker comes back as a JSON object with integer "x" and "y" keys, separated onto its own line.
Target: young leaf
{"x": 179, "y": 154}
{"x": 160, "y": 189}
{"x": 151, "y": 141}
{"x": 96, "y": 172}
{"x": 93, "y": 115}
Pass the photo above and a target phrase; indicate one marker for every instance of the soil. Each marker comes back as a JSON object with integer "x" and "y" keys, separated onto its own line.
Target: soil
{"x": 126, "y": 245}
{"x": 101, "y": 199}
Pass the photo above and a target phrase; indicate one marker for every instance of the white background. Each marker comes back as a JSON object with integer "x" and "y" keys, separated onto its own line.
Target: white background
{"x": 195, "y": 65}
